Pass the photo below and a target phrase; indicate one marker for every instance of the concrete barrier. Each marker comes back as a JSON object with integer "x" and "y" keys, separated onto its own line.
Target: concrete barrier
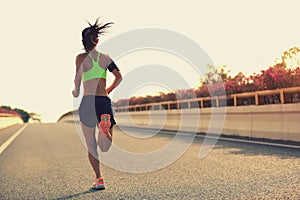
{"x": 7, "y": 120}
{"x": 277, "y": 121}
{"x": 270, "y": 114}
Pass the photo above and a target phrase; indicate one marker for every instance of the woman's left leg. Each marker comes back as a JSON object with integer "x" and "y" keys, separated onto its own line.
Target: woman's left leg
{"x": 89, "y": 134}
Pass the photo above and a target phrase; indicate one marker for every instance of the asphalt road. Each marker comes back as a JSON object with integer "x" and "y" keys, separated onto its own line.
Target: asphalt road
{"x": 49, "y": 161}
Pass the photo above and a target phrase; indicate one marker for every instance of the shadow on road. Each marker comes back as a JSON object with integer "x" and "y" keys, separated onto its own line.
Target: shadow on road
{"x": 76, "y": 195}
{"x": 250, "y": 146}
{"x": 253, "y": 149}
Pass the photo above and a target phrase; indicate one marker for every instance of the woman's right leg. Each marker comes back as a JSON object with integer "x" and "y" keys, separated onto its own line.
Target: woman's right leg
{"x": 104, "y": 140}
{"x": 105, "y": 132}
{"x": 89, "y": 134}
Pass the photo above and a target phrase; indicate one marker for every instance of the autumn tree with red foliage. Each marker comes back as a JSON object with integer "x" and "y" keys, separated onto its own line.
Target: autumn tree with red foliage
{"x": 283, "y": 74}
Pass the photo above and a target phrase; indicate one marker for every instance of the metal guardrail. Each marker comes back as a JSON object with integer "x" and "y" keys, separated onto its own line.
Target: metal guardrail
{"x": 281, "y": 96}
{"x": 6, "y": 115}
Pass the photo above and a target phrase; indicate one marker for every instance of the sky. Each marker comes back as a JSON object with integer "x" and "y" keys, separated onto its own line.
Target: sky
{"x": 40, "y": 40}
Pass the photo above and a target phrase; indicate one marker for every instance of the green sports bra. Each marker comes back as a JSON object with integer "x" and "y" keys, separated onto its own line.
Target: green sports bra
{"x": 95, "y": 72}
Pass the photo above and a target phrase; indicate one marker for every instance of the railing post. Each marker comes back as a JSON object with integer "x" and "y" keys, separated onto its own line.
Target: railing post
{"x": 189, "y": 104}
{"x": 281, "y": 96}
{"x": 201, "y": 103}
{"x": 234, "y": 100}
{"x": 256, "y": 99}
{"x": 217, "y": 101}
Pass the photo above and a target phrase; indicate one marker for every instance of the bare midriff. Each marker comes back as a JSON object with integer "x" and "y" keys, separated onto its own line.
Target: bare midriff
{"x": 95, "y": 87}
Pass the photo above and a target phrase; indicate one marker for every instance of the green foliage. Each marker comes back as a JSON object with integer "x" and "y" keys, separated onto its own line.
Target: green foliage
{"x": 6, "y": 107}
{"x": 24, "y": 115}
{"x": 291, "y": 58}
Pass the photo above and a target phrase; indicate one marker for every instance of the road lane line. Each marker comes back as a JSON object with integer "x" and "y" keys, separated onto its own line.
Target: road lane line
{"x": 9, "y": 140}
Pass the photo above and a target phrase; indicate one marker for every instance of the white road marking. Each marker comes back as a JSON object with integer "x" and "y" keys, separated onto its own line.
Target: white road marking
{"x": 9, "y": 141}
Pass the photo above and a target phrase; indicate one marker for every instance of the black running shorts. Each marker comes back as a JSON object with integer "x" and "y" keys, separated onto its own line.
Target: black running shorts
{"x": 92, "y": 107}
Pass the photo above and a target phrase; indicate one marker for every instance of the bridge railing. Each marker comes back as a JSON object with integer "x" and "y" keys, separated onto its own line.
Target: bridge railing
{"x": 278, "y": 96}
{"x": 7, "y": 119}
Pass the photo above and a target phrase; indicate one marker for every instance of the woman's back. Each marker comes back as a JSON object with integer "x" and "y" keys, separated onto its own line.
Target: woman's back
{"x": 94, "y": 66}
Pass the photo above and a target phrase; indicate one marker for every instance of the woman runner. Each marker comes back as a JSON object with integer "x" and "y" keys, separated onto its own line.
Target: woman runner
{"x": 95, "y": 108}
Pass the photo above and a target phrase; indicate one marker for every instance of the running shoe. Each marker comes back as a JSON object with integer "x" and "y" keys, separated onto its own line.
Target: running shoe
{"x": 98, "y": 184}
{"x": 104, "y": 125}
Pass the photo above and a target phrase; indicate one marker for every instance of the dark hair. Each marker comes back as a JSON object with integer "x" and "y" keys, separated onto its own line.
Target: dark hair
{"x": 90, "y": 34}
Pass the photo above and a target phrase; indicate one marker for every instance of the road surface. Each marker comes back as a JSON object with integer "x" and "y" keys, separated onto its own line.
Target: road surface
{"x": 49, "y": 161}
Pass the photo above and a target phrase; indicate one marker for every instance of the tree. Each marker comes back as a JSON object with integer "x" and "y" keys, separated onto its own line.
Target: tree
{"x": 291, "y": 58}
{"x": 6, "y": 107}
{"x": 24, "y": 115}
{"x": 283, "y": 74}
{"x": 17, "y": 112}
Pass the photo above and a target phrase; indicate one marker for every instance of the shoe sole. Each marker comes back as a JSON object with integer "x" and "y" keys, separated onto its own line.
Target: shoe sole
{"x": 98, "y": 188}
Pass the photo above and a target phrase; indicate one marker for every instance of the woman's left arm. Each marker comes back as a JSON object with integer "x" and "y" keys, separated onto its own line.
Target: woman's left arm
{"x": 116, "y": 82}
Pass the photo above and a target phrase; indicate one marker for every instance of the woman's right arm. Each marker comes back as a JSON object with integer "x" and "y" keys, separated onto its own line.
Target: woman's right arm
{"x": 78, "y": 76}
